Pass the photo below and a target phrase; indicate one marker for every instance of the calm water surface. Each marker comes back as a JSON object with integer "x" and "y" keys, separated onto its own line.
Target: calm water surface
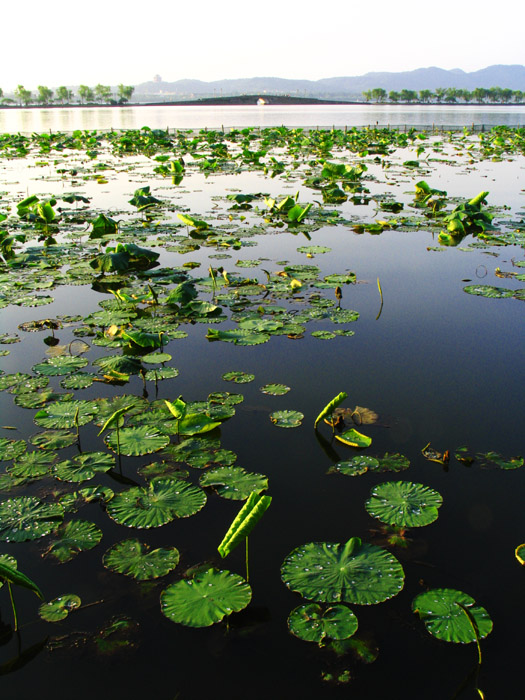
{"x": 158, "y": 117}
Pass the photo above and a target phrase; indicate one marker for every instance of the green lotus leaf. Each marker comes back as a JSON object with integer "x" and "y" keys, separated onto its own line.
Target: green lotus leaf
{"x": 238, "y": 336}
{"x": 493, "y": 459}
{"x": 443, "y": 610}
{"x": 29, "y": 386}
{"x": 344, "y": 316}
{"x": 195, "y": 423}
{"x": 123, "y": 364}
{"x": 234, "y": 482}
{"x": 28, "y": 518}
{"x": 260, "y": 325}
{"x": 238, "y": 377}
{"x": 323, "y": 335}
{"x": 355, "y": 466}
{"x": 156, "y": 375}
{"x": 79, "y": 380}
{"x": 287, "y": 419}
{"x": 10, "y": 574}
{"x": 134, "y": 405}
{"x": 313, "y": 249}
{"x": 74, "y": 537}
{"x": 66, "y": 414}
{"x": 11, "y": 380}
{"x": 354, "y": 438}
{"x": 161, "y": 502}
{"x": 142, "y": 440}
{"x": 485, "y": 290}
{"x": 32, "y": 465}
{"x": 59, "y": 608}
{"x": 37, "y": 399}
{"x": 312, "y": 623}
{"x": 132, "y": 558}
{"x": 6, "y": 561}
{"x": 203, "y": 459}
{"x": 354, "y": 572}
{"x": 206, "y": 598}
{"x": 83, "y": 467}
{"x": 404, "y": 504}
{"x": 275, "y": 389}
{"x": 53, "y": 439}
{"x": 59, "y": 366}
{"x": 11, "y": 449}
{"x": 154, "y": 358}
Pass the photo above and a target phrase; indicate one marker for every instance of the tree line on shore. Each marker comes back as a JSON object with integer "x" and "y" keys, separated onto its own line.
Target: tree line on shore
{"x": 448, "y": 95}
{"x": 100, "y": 94}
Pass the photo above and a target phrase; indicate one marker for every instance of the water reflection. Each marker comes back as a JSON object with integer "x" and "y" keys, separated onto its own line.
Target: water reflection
{"x": 180, "y": 117}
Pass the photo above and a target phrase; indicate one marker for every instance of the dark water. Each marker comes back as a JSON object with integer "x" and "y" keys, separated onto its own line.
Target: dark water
{"x": 438, "y": 365}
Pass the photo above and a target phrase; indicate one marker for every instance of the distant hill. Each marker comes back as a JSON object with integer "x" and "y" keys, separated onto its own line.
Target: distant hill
{"x": 512, "y": 77}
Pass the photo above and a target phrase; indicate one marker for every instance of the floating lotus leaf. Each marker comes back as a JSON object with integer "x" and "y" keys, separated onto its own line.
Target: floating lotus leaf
{"x": 206, "y": 598}
{"x": 132, "y": 558}
{"x": 519, "y": 553}
{"x": 234, "y": 482}
{"x": 204, "y": 459}
{"x": 134, "y": 405}
{"x": 59, "y": 366}
{"x": 354, "y": 572}
{"x": 323, "y": 335}
{"x": 83, "y": 467}
{"x": 161, "y": 502}
{"x": 138, "y": 441}
{"x": 238, "y": 377}
{"x": 66, "y": 414}
{"x": 313, "y": 249}
{"x": 29, "y": 386}
{"x": 154, "y": 358}
{"x": 441, "y": 609}
{"x": 37, "y": 399}
{"x": 156, "y": 375}
{"x": 312, "y": 623}
{"x": 32, "y": 465}
{"x": 485, "y": 290}
{"x": 404, "y": 504}
{"x": 195, "y": 423}
{"x": 493, "y": 459}
{"x": 59, "y": 608}
{"x": 275, "y": 389}
{"x": 238, "y": 336}
{"x": 53, "y": 439}
{"x": 11, "y": 380}
{"x": 28, "y": 518}
{"x": 74, "y": 537}
{"x": 260, "y": 325}
{"x": 355, "y": 466}
{"x": 344, "y": 316}
{"x": 287, "y": 419}
{"x": 79, "y": 380}
{"x": 354, "y": 438}
{"x": 123, "y": 364}
{"x": 11, "y": 449}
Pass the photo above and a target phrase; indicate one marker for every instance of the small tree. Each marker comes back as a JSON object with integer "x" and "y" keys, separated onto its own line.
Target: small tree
{"x": 367, "y": 94}
{"x": 85, "y": 93}
{"x": 479, "y": 94}
{"x": 64, "y": 94}
{"x": 425, "y": 95}
{"x": 408, "y": 95}
{"x": 103, "y": 93}
{"x": 379, "y": 95}
{"x": 125, "y": 92}
{"x": 440, "y": 94}
{"x": 393, "y": 96}
{"x": 22, "y": 95}
{"x": 45, "y": 95}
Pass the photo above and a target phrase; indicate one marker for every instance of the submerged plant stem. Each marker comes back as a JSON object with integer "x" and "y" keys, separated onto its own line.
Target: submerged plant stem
{"x": 13, "y": 605}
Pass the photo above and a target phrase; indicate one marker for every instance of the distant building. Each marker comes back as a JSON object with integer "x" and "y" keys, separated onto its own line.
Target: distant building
{"x": 261, "y": 101}
{"x": 157, "y": 78}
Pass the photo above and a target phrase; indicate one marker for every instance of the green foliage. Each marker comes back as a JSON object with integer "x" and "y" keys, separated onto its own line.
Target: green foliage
{"x": 243, "y": 524}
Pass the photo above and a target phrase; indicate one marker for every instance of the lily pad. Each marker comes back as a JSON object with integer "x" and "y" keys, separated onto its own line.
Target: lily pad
{"x": 32, "y": 465}
{"x": 354, "y": 438}
{"x": 238, "y": 377}
{"x": 141, "y": 440}
{"x": 11, "y": 449}
{"x": 206, "y": 598}
{"x": 312, "y": 623}
{"x": 404, "y": 504}
{"x": 28, "y": 518}
{"x": 74, "y": 537}
{"x": 442, "y": 611}
{"x": 287, "y": 419}
{"x": 59, "y": 366}
{"x": 132, "y": 558}
{"x": 234, "y": 482}
{"x": 59, "y": 608}
{"x": 354, "y": 572}
{"x": 83, "y": 467}
{"x": 355, "y": 466}
{"x": 275, "y": 389}
{"x": 493, "y": 459}
{"x": 486, "y": 290}
{"x": 66, "y": 414}
{"x": 161, "y": 502}
{"x": 53, "y": 439}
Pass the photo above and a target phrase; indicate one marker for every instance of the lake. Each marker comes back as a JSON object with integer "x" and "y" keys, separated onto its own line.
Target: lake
{"x": 260, "y": 275}
{"x": 159, "y": 117}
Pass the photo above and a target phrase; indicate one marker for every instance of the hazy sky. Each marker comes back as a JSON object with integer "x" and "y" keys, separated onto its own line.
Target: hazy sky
{"x": 59, "y": 42}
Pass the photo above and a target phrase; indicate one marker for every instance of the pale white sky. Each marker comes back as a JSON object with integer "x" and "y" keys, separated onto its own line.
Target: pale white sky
{"x": 67, "y": 42}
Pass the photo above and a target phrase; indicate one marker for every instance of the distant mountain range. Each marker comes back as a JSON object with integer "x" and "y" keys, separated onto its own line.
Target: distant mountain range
{"x": 512, "y": 77}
